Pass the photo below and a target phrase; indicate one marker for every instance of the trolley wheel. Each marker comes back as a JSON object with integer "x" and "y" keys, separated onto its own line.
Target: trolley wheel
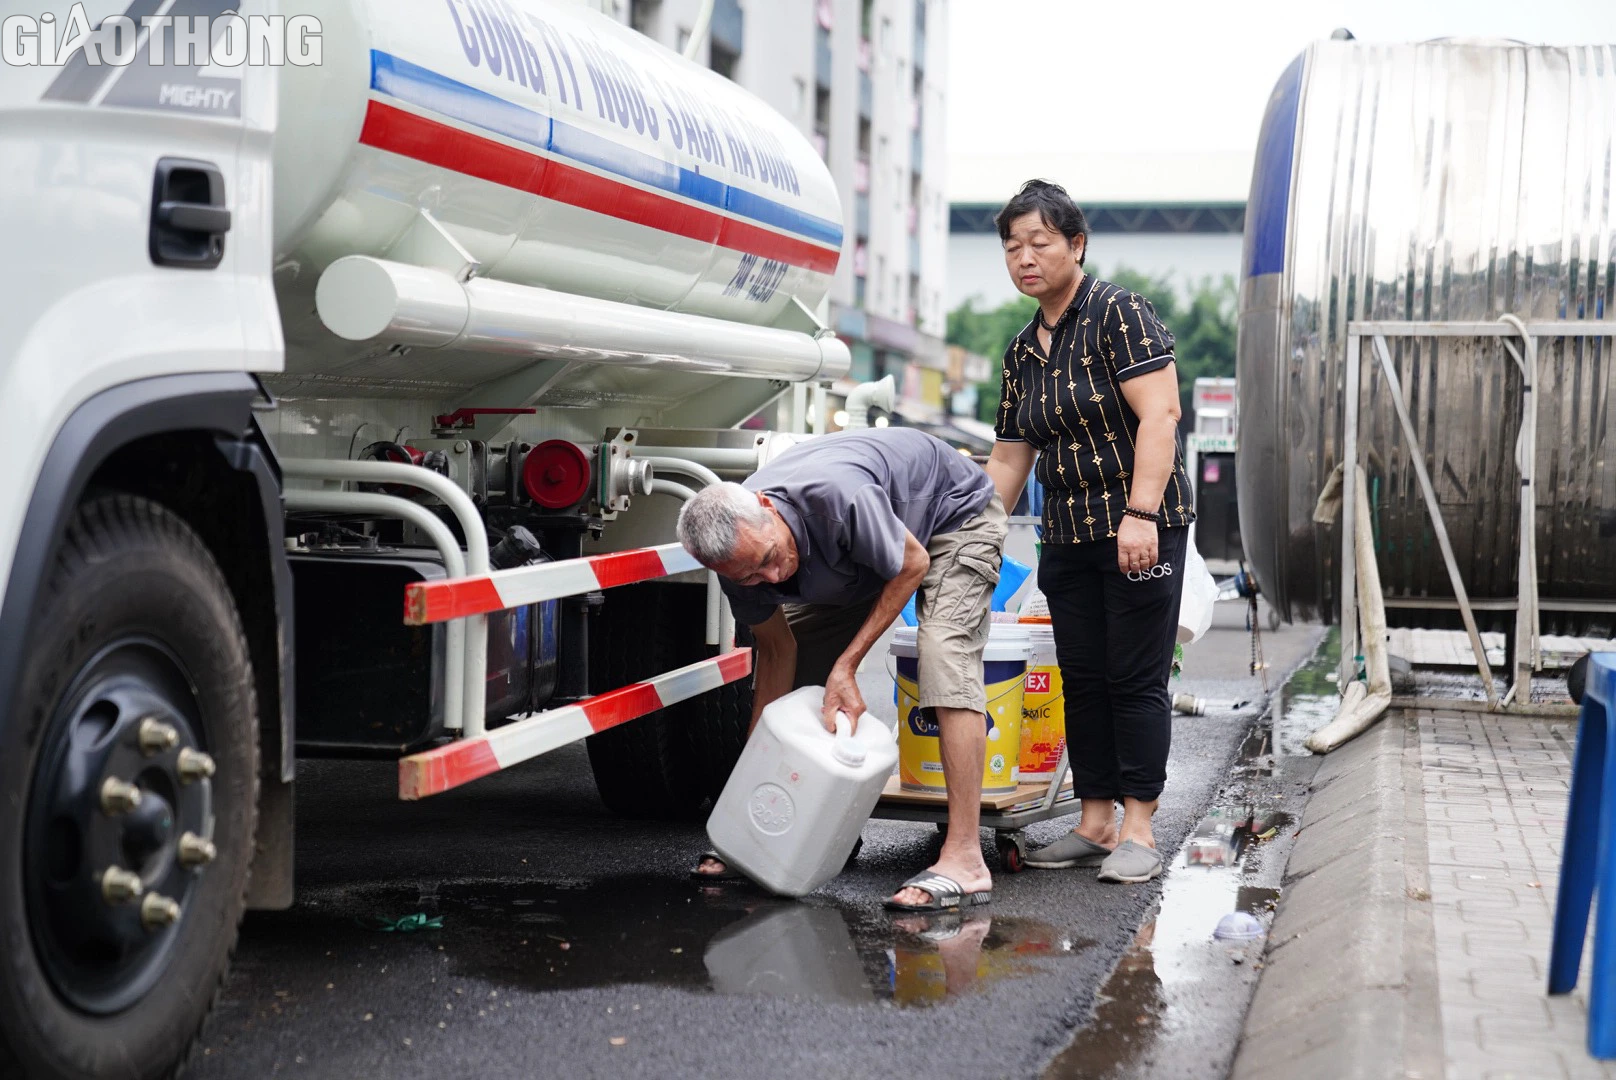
{"x": 1012, "y": 852}
{"x": 1274, "y": 621}
{"x": 852, "y": 856}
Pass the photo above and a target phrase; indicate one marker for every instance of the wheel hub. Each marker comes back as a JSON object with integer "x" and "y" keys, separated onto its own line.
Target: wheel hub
{"x": 117, "y": 811}
{"x": 147, "y": 830}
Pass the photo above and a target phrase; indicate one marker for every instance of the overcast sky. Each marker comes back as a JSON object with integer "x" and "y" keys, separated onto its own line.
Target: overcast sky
{"x": 1194, "y": 75}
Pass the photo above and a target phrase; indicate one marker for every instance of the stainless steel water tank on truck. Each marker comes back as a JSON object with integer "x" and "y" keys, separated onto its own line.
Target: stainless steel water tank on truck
{"x": 1450, "y": 181}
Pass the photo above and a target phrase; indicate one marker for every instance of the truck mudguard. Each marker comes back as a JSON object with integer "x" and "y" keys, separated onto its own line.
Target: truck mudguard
{"x": 216, "y": 403}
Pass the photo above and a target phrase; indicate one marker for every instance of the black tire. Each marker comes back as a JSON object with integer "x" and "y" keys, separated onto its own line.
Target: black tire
{"x": 715, "y": 724}
{"x": 135, "y": 618}
{"x": 642, "y": 768}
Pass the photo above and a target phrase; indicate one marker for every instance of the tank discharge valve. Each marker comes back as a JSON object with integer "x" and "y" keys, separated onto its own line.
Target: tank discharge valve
{"x": 622, "y": 477}
{"x": 556, "y": 474}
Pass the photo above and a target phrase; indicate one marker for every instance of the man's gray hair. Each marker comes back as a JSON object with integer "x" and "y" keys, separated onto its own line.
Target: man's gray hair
{"x": 710, "y": 524}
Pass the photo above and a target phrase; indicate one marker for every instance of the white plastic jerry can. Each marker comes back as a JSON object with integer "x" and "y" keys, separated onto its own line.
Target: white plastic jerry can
{"x": 794, "y": 806}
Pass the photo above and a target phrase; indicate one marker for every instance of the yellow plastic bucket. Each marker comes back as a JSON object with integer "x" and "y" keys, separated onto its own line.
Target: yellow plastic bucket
{"x": 1043, "y": 711}
{"x": 1004, "y": 674}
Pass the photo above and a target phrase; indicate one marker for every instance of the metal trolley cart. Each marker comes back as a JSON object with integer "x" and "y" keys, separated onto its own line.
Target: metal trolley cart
{"x": 1007, "y": 815}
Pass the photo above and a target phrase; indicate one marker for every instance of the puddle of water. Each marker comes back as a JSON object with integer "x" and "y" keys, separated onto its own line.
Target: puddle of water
{"x": 1309, "y": 699}
{"x": 1175, "y": 1003}
{"x": 1175, "y": 1000}
{"x": 1160, "y": 987}
{"x": 642, "y": 930}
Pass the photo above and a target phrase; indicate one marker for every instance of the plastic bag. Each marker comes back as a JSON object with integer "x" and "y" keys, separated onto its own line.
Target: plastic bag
{"x": 1200, "y": 593}
{"x": 1034, "y": 607}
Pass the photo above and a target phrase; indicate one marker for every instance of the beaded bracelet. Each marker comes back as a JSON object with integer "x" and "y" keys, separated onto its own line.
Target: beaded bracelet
{"x": 1142, "y": 515}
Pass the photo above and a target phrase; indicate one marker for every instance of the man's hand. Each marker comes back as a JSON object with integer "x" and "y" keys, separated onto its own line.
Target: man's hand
{"x": 841, "y": 688}
{"x": 842, "y": 695}
{"x": 1136, "y": 544}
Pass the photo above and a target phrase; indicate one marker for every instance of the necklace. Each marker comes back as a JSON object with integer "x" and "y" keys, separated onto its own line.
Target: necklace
{"x": 1050, "y": 328}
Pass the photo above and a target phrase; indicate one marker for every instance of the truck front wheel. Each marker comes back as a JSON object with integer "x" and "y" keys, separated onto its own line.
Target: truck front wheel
{"x": 133, "y": 760}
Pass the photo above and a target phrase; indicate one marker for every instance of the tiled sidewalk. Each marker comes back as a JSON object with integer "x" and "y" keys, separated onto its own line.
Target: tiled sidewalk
{"x": 1495, "y": 802}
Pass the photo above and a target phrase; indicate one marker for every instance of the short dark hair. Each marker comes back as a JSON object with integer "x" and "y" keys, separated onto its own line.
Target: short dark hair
{"x": 1051, "y": 203}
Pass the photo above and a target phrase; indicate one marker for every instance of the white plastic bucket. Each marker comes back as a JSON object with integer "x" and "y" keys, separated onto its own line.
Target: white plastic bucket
{"x": 1004, "y": 672}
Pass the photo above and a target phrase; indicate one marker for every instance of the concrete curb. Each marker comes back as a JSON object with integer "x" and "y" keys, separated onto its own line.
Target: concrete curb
{"x": 1348, "y": 984}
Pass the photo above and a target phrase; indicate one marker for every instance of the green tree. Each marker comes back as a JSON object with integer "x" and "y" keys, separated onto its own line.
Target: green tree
{"x": 1203, "y": 328}
{"x": 988, "y": 331}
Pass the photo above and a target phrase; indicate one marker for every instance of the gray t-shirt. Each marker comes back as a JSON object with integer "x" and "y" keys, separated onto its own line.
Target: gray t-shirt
{"x": 848, "y": 499}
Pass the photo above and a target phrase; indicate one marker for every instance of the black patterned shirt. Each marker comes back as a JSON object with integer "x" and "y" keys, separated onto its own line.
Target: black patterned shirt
{"x": 1069, "y": 406}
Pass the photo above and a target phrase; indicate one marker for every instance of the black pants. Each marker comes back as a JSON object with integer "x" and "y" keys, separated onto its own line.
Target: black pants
{"x": 1114, "y": 643}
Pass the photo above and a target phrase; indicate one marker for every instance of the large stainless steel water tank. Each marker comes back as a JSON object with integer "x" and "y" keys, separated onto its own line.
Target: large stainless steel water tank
{"x": 1452, "y": 180}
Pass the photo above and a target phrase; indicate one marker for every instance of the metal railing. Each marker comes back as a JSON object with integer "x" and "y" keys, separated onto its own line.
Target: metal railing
{"x": 1527, "y": 605}
{"x": 472, "y": 590}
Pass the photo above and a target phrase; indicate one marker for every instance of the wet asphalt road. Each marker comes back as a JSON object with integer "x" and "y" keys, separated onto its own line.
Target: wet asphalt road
{"x": 572, "y": 943}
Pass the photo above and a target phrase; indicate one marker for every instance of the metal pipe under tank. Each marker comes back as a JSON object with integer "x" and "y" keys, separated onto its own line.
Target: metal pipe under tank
{"x": 360, "y": 298}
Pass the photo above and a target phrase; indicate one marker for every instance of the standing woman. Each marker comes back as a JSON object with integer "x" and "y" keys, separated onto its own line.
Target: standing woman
{"x": 1090, "y": 389}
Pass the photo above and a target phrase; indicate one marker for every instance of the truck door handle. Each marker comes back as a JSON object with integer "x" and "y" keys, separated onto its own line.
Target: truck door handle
{"x": 194, "y": 217}
{"x": 189, "y": 217}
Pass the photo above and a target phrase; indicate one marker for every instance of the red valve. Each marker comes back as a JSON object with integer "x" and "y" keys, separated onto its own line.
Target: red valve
{"x": 397, "y": 452}
{"x": 556, "y": 474}
{"x": 464, "y": 418}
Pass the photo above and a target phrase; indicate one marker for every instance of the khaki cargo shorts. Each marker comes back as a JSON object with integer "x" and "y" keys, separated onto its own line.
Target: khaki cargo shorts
{"x": 954, "y": 619}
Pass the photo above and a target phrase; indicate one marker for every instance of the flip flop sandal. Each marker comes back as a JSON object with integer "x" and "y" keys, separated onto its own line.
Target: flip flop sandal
{"x": 729, "y": 873}
{"x": 946, "y": 894}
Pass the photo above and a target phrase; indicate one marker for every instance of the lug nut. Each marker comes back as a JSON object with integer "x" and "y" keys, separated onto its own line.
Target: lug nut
{"x": 120, "y": 886}
{"x": 194, "y": 765}
{"x": 195, "y": 851}
{"x": 158, "y": 911}
{"x": 156, "y": 736}
{"x": 118, "y": 796}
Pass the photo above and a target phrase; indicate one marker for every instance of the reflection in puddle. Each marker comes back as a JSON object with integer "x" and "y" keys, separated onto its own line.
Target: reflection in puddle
{"x": 1308, "y": 700}
{"x": 569, "y": 936}
{"x": 943, "y": 956}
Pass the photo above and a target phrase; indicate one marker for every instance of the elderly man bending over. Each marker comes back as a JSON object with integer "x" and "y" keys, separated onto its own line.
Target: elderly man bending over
{"x": 819, "y": 552}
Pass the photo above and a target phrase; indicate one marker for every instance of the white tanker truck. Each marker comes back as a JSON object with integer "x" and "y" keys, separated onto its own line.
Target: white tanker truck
{"x": 349, "y": 405}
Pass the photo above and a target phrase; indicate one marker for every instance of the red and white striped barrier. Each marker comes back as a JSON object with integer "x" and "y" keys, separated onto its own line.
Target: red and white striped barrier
{"x": 438, "y": 601}
{"x": 434, "y": 771}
